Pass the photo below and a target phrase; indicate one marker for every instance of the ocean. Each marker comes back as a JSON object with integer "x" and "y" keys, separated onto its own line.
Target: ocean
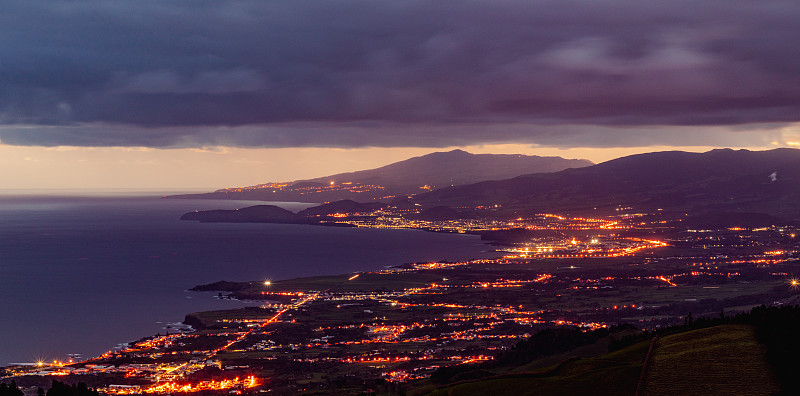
{"x": 81, "y": 274}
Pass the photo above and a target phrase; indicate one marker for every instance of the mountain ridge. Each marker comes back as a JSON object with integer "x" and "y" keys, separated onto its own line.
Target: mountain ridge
{"x": 717, "y": 180}
{"x": 399, "y": 179}
{"x": 461, "y": 166}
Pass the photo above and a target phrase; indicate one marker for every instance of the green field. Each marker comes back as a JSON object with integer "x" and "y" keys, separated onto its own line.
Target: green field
{"x": 721, "y": 360}
{"x": 367, "y": 281}
{"x": 616, "y": 373}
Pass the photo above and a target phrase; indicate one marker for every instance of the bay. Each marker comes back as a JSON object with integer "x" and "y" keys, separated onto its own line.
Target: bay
{"x": 80, "y": 274}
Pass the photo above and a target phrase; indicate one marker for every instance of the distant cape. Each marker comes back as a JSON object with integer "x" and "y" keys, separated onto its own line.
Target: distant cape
{"x": 400, "y": 179}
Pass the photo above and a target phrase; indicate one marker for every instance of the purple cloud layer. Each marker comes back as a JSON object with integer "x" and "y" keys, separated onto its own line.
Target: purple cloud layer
{"x": 185, "y": 73}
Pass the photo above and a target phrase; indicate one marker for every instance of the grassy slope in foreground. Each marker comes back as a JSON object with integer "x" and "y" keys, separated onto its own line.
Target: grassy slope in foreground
{"x": 615, "y": 373}
{"x": 721, "y": 360}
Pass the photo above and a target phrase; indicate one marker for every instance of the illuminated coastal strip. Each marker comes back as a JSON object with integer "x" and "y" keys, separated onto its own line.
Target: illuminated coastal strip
{"x": 174, "y": 387}
{"x": 177, "y": 372}
{"x": 168, "y": 382}
{"x": 267, "y": 322}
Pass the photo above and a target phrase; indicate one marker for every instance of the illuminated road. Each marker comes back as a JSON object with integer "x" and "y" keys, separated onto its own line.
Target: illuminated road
{"x": 179, "y": 371}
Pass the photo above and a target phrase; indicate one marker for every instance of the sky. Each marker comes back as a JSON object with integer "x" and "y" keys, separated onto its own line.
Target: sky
{"x": 206, "y": 94}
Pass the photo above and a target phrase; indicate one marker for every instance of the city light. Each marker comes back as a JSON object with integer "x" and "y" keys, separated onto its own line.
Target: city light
{"x": 440, "y": 313}
{"x": 180, "y": 387}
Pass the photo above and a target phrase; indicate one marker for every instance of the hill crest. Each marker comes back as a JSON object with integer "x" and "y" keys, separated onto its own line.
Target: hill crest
{"x": 400, "y": 179}
{"x": 717, "y": 180}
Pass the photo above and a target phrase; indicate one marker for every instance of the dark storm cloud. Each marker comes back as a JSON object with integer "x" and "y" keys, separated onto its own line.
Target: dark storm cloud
{"x": 382, "y": 73}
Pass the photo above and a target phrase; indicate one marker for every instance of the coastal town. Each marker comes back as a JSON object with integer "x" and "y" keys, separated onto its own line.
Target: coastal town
{"x": 389, "y": 331}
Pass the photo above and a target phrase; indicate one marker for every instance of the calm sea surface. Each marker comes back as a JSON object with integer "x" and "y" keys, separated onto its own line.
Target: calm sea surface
{"x": 82, "y": 274}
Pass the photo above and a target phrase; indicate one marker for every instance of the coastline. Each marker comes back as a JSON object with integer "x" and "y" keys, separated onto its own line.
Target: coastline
{"x": 87, "y": 255}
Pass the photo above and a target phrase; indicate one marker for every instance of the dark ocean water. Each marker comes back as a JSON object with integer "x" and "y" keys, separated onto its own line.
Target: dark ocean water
{"x": 82, "y": 274}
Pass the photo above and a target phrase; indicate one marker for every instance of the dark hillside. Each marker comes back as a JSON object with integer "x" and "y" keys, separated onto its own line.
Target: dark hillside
{"x": 719, "y": 180}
